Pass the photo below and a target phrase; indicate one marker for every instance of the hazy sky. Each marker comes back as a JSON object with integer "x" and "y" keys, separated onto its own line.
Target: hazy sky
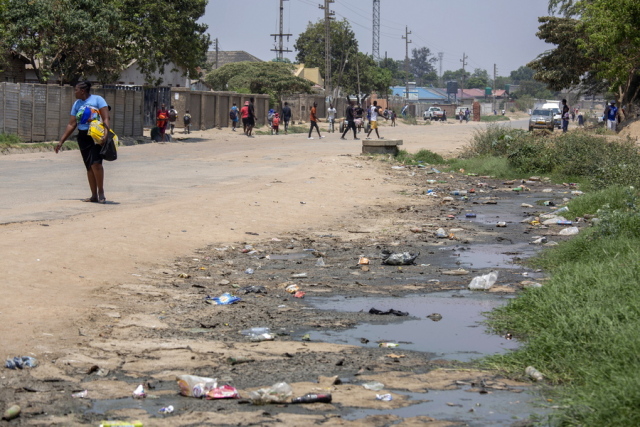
{"x": 489, "y": 32}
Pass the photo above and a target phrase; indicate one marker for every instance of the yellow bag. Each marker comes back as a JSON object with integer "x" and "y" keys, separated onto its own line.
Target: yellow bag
{"x": 96, "y": 131}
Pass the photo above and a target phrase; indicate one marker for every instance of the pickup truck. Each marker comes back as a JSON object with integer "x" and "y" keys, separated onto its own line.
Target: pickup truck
{"x": 433, "y": 113}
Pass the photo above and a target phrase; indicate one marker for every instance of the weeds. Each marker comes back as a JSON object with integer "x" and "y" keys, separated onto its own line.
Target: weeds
{"x": 494, "y": 118}
{"x": 581, "y": 327}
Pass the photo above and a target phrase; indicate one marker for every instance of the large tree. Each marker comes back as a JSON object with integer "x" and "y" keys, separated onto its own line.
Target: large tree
{"x": 421, "y": 65}
{"x": 75, "y": 38}
{"x": 310, "y": 46}
{"x": 273, "y": 78}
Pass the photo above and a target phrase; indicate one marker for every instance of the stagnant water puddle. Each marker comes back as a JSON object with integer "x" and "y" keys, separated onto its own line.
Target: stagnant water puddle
{"x": 497, "y": 408}
{"x": 459, "y": 335}
{"x": 492, "y": 255}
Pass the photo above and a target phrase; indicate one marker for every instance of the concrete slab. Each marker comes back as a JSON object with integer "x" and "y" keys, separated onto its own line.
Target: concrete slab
{"x": 381, "y": 146}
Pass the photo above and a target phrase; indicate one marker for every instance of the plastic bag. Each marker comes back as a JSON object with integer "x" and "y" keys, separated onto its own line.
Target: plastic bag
{"x": 223, "y": 299}
{"x": 484, "y": 282}
{"x": 109, "y": 150}
{"x": 570, "y": 231}
{"x": 277, "y": 393}
{"x": 223, "y": 392}
{"x": 193, "y": 386}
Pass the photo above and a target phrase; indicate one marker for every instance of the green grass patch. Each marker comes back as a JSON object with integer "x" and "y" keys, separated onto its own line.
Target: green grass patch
{"x": 422, "y": 156}
{"x": 9, "y": 142}
{"x": 485, "y": 165}
{"x": 581, "y": 328}
{"x": 494, "y": 118}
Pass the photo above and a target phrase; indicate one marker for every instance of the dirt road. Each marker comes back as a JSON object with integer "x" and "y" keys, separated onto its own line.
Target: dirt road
{"x": 81, "y": 278}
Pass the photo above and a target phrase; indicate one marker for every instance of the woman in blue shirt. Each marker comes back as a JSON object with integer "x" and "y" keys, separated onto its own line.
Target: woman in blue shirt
{"x": 81, "y": 116}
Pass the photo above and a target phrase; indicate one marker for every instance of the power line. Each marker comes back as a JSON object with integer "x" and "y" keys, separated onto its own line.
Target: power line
{"x": 280, "y": 49}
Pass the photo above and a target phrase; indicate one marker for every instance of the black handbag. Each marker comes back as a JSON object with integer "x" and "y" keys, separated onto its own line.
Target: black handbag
{"x": 109, "y": 150}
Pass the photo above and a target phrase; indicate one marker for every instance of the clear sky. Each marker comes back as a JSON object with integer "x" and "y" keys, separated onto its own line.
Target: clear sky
{"x": 489, "y": 32}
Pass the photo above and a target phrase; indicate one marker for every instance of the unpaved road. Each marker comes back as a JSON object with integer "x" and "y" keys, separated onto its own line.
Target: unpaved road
{"x": 98, "y": 285}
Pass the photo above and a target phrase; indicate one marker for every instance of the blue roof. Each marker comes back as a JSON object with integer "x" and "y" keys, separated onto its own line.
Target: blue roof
{"x": 431, "y": 94}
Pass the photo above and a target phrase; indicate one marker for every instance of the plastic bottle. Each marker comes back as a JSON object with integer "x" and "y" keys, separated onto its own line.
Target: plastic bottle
{"x": 534, "y": 374}
{"x": 458, "y": 193}
{"x": 12, "y": 412}
{"x": 313, "y": 398}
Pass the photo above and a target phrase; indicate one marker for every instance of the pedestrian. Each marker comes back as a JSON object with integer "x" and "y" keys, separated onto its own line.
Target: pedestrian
{"x": 350, "y": 118}
{"x": 393, "y": 118}
{"x": 404, "y": 111}
{"x": 611, "y": 116}
{"x": 252, "y": 118}
{"x": 244, "y": 112}
{"x": 331, "y": 118}
{"x": 89, "y": 107}
{"x": 275, "y": 123}
{"x": 467, "y": 113}
{"x": 270, "y": 115}
{"x": 359, "y": 117}
{"x": 444, "y": 115}
{"x": 233, "y": 115}
{"x": 286, "y": 117}
{"x": 374, "y": 112}
{"x": 186, "y": 119}
{"x": 173, "y": 116}
{"x": 313, "y": 118}
{"x": 162, "y": 118}
{"x": 565, "y": 116}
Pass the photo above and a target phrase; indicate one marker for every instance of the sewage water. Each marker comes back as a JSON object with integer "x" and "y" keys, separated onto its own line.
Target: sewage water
{"x": 493, "y": 255}
{"x": 497, "y": 408}
{"x": 458, "y": 336}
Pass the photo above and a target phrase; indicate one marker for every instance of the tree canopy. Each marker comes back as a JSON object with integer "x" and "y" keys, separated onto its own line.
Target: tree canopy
{"x": 597, "y": 47}
{"x": 421, "y": 66}
{"x": 273, "y": 78}
{"x": 350, "y": 69}
{"x": 75, "y": 38}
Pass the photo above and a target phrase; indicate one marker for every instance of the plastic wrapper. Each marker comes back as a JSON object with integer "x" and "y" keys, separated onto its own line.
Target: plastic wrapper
{"x": 404, "y": 258}
{"x": 194, "y": 386}
{"x": 224, "y": 299}
{"x": 484, "y": 282}
{"x": 384, "y": 397}
{"x": 277, "y": 393}
{"x": 20, "y": 362}
{"x": 292, "y": 289}
{"x": 223, "y": 392}
{"x": 139, "y": 392}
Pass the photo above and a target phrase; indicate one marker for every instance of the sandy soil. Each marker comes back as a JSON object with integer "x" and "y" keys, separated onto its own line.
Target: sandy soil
{"x": 90, "y": 285}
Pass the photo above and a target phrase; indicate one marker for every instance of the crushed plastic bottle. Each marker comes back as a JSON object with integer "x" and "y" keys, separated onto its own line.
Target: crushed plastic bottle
{"x": 533, "y": 373}
{"x": 484, "y": 282}
{"x": 384, "y": 397}
{"x": 458, "y": 193}
{"x": 570, "y": 231}
{"x": 373, "y": 385}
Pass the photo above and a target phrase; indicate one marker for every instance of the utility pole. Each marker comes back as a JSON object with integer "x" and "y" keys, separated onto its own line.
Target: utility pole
{"x": 376, "y": 31}
{"x": 464, "y": 64}
{"x": 406, "y": 59}
{"x": 440, "y": 56}
{"x": 280, "y": 50}
{"x": 328, "y": 16}
{"x": 217, "y": 50}
{"x": 495, "y": 72}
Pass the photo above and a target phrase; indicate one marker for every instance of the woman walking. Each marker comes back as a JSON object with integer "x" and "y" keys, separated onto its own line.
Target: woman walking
{"x": 87, "y": 108}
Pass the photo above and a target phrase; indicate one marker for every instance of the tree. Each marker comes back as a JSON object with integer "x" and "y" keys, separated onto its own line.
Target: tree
{"x": 479, "y": 79}
{"x": 363, "y": 76}
{"x": 421, "y": 64}
{"x": 612, "y": 30}
{"x": 457, "y": 75}
{"x": 75, "y": 38}
{"x": 522, "y": 73}
{"x": 273, "y": 78}
{"x": 310, "y": 46}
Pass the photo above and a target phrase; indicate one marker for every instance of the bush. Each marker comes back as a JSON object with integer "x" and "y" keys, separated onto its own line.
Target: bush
{"x": 495, "y": 140}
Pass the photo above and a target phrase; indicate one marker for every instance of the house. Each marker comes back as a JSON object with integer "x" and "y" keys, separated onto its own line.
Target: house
{"x": 419, "y": 94}
{"x": 311, "y": 74}
{"x": 219, "y": 58}
{"x": 173, "y": 76}
{"x": 12, "y": 68}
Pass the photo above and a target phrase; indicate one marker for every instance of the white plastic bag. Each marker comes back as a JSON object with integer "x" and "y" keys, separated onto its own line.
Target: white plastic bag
{"x": 570, "y": 231}
{"x": 193, "y": 386}
{"x": 277, "y": 393}
{"x": 484, "y": 282}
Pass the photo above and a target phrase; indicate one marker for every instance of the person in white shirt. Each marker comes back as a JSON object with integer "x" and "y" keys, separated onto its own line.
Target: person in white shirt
{"x": 374, "y": 111}
{"x": 331, "y": 117}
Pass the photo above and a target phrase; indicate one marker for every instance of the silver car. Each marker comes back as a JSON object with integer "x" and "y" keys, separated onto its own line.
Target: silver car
{"x": 541, "y": 119}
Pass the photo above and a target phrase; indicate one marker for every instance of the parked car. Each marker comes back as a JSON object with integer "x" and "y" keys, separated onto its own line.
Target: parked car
{"x": 541, "y": 119}
{"x": 433, "y": 113}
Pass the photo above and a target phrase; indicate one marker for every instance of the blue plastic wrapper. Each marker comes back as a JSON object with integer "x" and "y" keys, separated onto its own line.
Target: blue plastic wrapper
{"x": 20, "y": 362}
{"x": 223, "y": 299}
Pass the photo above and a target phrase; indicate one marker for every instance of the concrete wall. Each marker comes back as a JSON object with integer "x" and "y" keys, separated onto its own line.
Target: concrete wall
{"x": 211, "y": 109}
{"x": 38, "y": 113}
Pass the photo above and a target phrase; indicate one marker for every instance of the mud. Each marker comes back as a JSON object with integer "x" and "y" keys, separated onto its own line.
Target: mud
{"x": 158, "y": 325}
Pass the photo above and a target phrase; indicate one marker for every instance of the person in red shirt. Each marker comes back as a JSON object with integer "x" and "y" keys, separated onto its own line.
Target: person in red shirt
{"x": 244, "y": 113}
{"x": 162, "y": 118}
{"x": 314, "y": 121}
